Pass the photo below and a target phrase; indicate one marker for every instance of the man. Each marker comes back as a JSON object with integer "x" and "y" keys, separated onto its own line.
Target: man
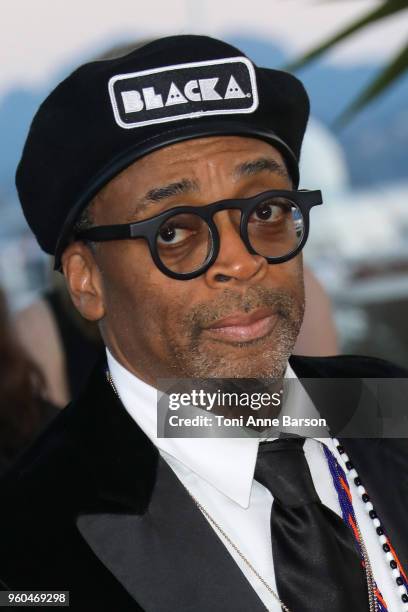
{"x": 165, "y": 184}
{"x": 52, "y": 332}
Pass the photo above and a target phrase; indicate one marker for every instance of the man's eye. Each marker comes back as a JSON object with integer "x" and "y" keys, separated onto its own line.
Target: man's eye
{"x": 180, "y": 228}
{"x": 269, "y": 212}
{"x": 172, "y": 235}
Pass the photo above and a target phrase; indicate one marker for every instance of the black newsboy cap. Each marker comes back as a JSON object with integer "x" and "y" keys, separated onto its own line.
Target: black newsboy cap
{"x": 109, "y": 113}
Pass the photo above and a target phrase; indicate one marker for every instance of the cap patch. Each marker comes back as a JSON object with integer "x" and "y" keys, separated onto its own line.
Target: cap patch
{"x": 184, "y": 91}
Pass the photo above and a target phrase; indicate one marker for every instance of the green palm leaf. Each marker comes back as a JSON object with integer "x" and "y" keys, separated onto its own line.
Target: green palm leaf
{"x": 394, "y": 70}
{"x": 388, "y": 8}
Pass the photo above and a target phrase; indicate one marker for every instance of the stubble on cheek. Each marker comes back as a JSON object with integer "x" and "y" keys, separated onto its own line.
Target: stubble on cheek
{"x": 159, "y": 335}
{"x": 194, "y": 355}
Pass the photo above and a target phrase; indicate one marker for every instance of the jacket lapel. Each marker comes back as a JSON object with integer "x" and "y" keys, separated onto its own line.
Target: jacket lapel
{"x": 143, "y": 525}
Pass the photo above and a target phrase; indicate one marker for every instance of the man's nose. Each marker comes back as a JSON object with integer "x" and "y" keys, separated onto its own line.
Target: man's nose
{"x": 234, "y": 264}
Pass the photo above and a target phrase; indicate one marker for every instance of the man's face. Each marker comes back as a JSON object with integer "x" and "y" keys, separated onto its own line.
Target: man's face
{"x": 238, "y": 319}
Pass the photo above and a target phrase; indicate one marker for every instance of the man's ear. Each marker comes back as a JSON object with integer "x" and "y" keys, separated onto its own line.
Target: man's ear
{"x": 84, "y": 281}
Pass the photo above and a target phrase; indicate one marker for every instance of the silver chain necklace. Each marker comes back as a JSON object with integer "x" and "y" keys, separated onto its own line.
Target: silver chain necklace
{"x": 372, "y": 600}
{"x": 237, "y": 550}
{"x": 367, "y": 564}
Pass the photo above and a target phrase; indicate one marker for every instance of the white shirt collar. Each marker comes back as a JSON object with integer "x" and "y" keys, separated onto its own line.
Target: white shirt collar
{"x": 228, "y": 464}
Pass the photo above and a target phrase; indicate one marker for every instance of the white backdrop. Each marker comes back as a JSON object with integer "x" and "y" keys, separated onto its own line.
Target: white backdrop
{"x": 38, "y": 36}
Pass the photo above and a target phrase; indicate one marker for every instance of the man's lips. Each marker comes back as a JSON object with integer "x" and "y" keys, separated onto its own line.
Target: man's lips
{"x": 242, "y": 327}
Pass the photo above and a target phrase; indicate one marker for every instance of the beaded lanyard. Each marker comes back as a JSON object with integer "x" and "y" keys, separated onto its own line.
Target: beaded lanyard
{"x": 349, "y": 517}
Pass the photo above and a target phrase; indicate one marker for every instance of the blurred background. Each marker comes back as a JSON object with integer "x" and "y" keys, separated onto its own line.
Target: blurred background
{"x": 358, "y": 246}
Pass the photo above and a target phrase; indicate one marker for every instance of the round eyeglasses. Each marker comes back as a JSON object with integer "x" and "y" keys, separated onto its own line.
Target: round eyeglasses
{"x": 184, "y": 241}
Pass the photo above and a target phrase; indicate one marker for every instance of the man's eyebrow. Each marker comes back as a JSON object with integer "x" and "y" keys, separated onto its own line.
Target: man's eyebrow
{"x": 255, "y": 166}
{"x": 158, "y": 194}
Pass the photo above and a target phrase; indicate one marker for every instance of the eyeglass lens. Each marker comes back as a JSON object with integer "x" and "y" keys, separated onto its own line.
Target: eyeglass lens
{"x": 275, "y": 228}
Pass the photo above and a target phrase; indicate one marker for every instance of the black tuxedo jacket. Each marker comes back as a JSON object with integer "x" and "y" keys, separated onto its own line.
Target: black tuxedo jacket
{"x": 93, "y": 509}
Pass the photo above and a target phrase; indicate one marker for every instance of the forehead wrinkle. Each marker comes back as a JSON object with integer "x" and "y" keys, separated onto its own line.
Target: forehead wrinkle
{"x": 256, "y": 166}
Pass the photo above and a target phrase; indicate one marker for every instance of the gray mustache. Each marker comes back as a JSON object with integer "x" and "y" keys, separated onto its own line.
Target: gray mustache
{"x": 231, "y": 302}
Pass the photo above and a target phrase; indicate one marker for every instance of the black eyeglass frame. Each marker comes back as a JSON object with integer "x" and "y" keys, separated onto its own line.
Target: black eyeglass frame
{"x": 148, "y": 229}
